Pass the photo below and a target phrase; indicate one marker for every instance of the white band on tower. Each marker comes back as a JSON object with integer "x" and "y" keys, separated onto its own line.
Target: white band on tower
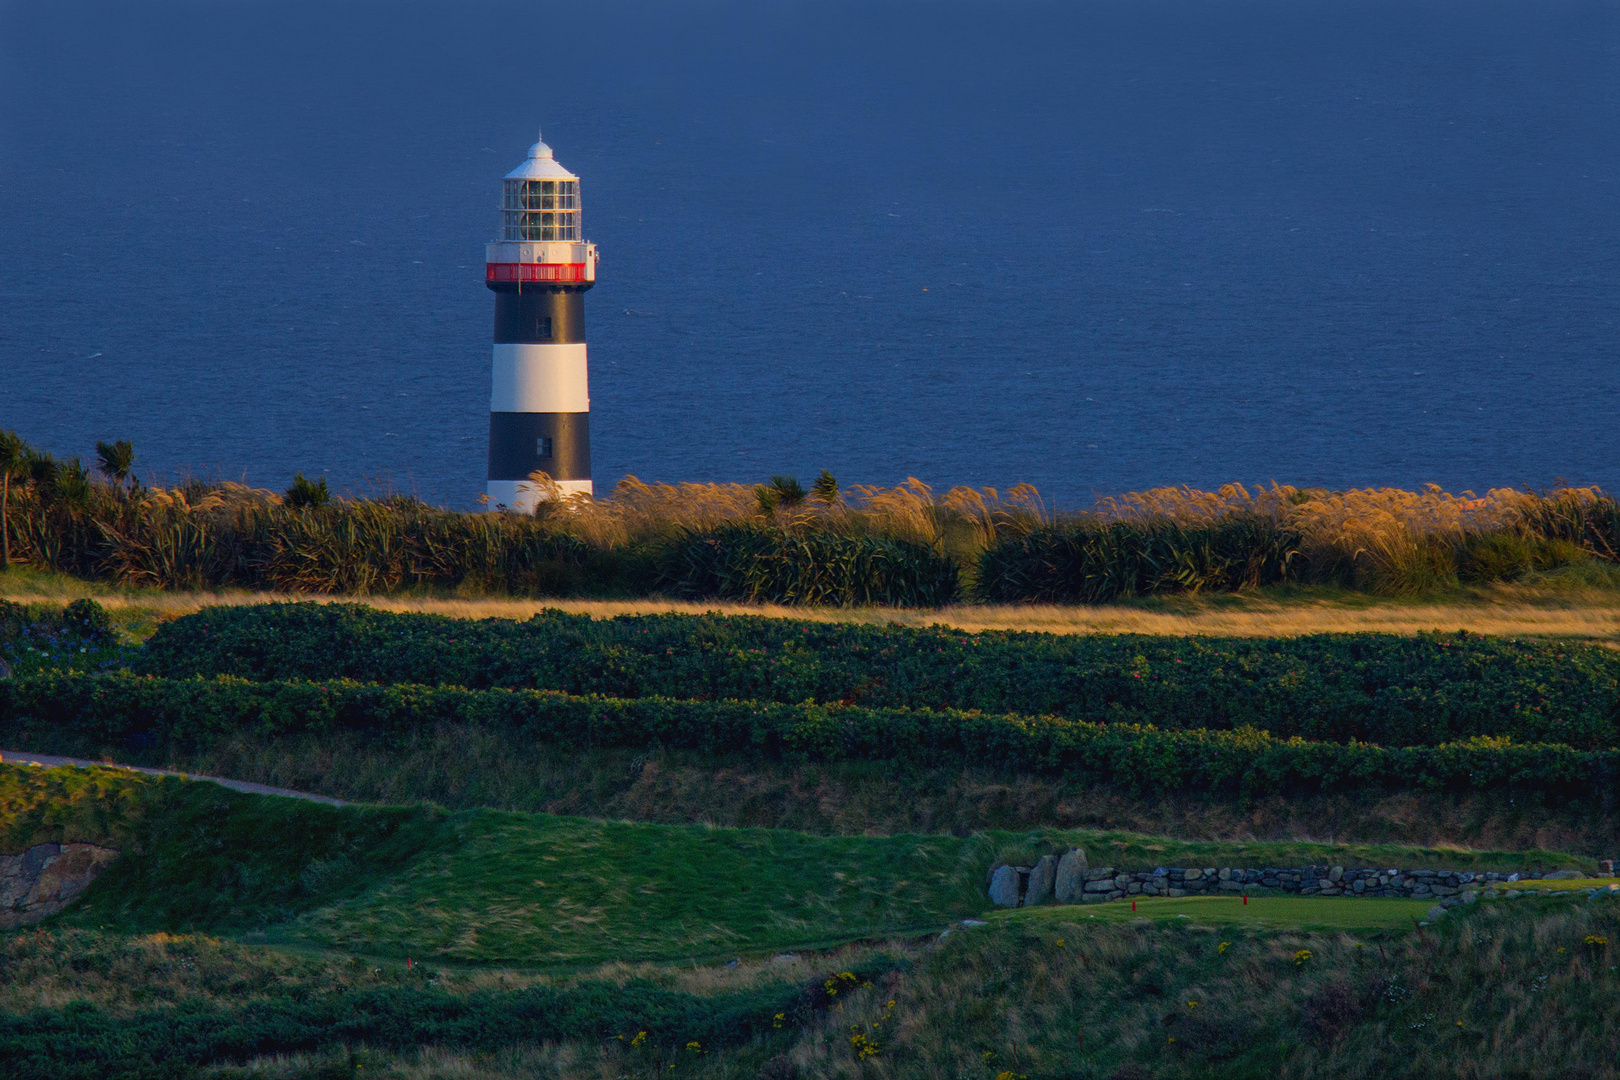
{"x": 540, "y": 378}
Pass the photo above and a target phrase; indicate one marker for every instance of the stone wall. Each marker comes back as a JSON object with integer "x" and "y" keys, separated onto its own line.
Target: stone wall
{"x": 1068, "y": 879}
{"x": 47, "y": 878}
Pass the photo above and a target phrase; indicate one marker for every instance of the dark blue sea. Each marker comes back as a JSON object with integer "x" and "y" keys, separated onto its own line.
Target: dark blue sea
{"x": 1095, "y": 246}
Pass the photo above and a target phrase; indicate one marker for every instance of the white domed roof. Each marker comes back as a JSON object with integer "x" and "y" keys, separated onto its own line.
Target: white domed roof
{"x": 540, "y": 166}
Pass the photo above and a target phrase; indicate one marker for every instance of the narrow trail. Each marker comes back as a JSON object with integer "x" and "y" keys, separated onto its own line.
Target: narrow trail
{"x": 48, "y": 761}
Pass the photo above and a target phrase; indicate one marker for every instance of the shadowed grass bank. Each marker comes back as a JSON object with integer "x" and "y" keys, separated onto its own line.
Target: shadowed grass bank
{"x": 463, "y": 767}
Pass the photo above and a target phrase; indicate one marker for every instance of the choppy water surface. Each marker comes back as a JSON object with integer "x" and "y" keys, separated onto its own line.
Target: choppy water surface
{"x": 1095, "y": 246}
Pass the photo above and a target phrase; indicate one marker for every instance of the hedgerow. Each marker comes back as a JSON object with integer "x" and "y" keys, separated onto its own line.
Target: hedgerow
{"x": 1425, "y": 689}
{"x": 144, "y": 715}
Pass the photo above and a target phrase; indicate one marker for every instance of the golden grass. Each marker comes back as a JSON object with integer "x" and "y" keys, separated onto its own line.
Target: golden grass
{"x": 1506, "y": 611}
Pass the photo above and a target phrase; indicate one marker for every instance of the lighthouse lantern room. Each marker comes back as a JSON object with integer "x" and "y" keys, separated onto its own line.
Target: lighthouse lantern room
{"x": 539, "y": 406}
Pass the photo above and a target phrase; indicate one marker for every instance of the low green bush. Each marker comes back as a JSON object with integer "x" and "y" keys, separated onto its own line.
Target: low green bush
{"x": 1392, "y": 690}
{"x": 1091, "y": 562}
{"x": 806, "y": 566}
{"x": 84, "y": 622}
{"x": 92, "y": 714}
{"x": 49, "y": 637}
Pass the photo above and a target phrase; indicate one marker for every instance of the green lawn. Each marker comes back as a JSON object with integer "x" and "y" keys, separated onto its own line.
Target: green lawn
{"x": 1578, "y": 883}
{"x": 538, "y": 888}
{"x": 1273, "y": 912}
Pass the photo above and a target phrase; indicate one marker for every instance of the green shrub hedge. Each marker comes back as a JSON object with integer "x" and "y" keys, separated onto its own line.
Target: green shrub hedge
{"x": 152, "y": 717}
{"x": 1396, "y": 691}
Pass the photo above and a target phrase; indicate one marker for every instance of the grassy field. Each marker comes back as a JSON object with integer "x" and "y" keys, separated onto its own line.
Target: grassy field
{"x": 1573, "y": 608}
{"x": 230, "y": 911}
{"x": 485, "y": 886}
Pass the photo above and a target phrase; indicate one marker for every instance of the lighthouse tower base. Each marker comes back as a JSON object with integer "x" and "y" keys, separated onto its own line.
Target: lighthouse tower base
{"x": 522, "y": 496}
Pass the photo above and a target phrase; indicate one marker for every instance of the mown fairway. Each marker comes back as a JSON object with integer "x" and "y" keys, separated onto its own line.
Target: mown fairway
{"x": 1275, "y": 912}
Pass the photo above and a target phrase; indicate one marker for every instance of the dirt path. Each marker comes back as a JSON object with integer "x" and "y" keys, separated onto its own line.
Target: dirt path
{"x": 48, "y": 761}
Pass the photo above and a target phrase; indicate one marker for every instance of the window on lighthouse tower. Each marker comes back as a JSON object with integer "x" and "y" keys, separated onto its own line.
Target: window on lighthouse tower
{"x": 541, "y": 209}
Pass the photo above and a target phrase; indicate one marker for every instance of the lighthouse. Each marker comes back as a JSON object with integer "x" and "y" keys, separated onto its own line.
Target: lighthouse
{"x": 540, "y": 402}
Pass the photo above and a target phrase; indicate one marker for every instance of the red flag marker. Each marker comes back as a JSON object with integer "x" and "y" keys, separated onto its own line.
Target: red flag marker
{"x": 1245, "y": 898}
{"x": 1133, "y": 905}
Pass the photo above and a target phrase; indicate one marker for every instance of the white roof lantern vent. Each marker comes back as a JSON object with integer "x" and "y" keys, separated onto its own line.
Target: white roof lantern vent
{"x": 540, "y": 200}
{"x": 541, "y": 165}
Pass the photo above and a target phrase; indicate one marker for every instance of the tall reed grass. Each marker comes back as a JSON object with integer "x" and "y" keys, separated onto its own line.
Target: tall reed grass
{"x": 1385, "y": 540}
{"x": 905, "y": 545}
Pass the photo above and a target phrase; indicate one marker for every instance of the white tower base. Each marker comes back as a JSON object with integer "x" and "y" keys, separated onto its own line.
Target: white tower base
{"x": 522, "y": 496}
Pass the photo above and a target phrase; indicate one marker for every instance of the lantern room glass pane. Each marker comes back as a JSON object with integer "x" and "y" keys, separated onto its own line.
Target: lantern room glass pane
{"x": 541, "y": 210}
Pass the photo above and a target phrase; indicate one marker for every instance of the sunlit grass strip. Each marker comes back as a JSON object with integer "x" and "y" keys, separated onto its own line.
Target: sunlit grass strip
{"x": 1276, "y": 912}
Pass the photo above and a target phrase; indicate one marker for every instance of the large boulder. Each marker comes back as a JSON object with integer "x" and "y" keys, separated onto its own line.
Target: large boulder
{"x": 1563, "y": 875}
{"x": 1041, "y": 878}
{"x": 1004, "y": 887}
{"x": 1070, "y": 880}
{"x": 46, "y": 878}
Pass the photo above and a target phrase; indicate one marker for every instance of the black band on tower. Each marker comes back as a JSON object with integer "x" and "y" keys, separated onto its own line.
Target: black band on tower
{"x": 540, "y": 317}
{"x": 557, "y": 444}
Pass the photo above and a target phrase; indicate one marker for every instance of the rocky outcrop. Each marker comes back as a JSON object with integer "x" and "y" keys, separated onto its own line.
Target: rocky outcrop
{"x": 47, "y": 878}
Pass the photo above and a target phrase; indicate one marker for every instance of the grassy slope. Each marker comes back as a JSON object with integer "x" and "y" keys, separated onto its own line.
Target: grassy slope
{"x": 485, "y": 886}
